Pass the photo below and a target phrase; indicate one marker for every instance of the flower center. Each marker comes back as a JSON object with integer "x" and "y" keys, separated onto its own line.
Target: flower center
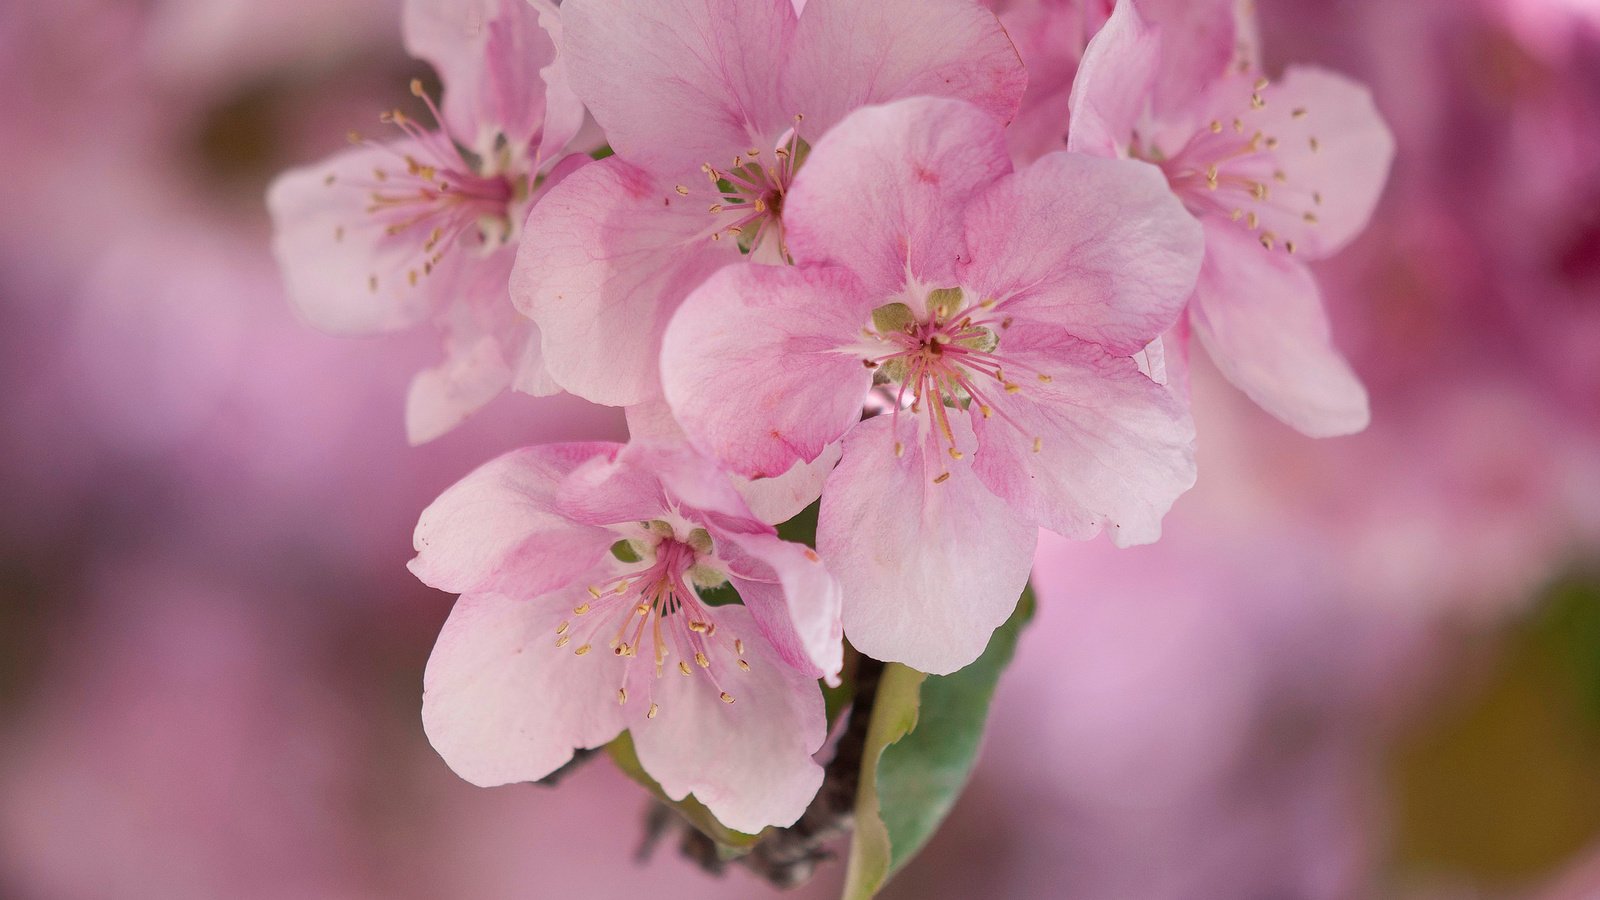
{"x": 1235, "y": 166}
{"x": 655, "y": 605}
{"x": 943, "y": 362}
{"x": 749, "y": 206}
{"x": 439, "y": 196}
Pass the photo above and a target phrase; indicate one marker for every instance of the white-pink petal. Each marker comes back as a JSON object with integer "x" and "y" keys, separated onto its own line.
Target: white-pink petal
{"x": 750, "y": 760}
{"x": 757, "y": 365}
{"x": 928, "y": 570}
{"x": 1099, "y": 248}
{"x": 1260, "y": 317}
{"x": 502, "y": 703}
{"x": 883, "y": 192}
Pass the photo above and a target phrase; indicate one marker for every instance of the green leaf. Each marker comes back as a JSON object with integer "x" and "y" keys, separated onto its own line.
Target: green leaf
{"x": 622, "y": 753}
{"x": 921, "y": 745}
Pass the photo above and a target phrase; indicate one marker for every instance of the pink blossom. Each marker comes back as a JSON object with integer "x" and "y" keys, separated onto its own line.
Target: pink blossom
{"x": 386, "y": 236}
{"x": 711, "y": 106}
{"x": 996, "y": 315}
{"x": 1276, "y": 172}
{"x": 573, "y": 560}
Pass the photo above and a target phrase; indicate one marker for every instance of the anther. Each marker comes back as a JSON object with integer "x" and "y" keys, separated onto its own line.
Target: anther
{"x": 564, "y": 640}
{"x": 682, "y": 191}
{"x": 683, "y": 667}
{"x": 1299, "y": 112}
{"x": 955, "y": 454}
{"x": 654, "y": 708}
{"x": 622, "y": 696}
{"x": 899, "y": 449}
{"x": 1315, "y": 145}
{"x": 738, "y": 646}
{"x": 1216, "y": 126}
{"x": 744, "y": 666}
{"x": 1038, "y": 444}
{"x": 562, "y": 628}
{"x": 942, "y": 478}
{"x": 582, "y": 650}
{"x": 701, "y": 661}
{"x": 580, "y": 609}
{"x": 416, "y": 87}
{"x": 1267, "y": 238}
{"x": 1311, "y": 218}
{"x": 727, "y": 697}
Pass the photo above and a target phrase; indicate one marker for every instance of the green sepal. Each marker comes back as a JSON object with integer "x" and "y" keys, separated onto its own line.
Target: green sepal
{"x": 921, "y": 746}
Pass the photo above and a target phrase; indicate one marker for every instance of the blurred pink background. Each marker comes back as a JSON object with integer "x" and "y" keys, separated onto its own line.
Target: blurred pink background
{"x": 1365, "y": 667}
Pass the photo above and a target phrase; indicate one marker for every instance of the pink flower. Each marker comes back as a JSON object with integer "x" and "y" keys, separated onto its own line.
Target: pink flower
{"x": 386, "y": 236}
{"x": 1276, "y": 172}
{"x": 995, "y": 317}
{"x": 576, "y": 560}
{"x": 710, "y": 106}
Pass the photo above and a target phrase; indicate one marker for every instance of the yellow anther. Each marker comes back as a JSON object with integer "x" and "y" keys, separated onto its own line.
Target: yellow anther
{"x": 738, "y": 646}
{"x": 1216, "y": 126}
{"x": 582, "y": 650}
{"x": 564, "y": 640}
{"x": 1038, "y": 444}
{"x": 580, "y": 609}
{"x": 622, "y": 696}
{"x": 654, "y": 708}
{"x": 955, "y": 454}
{"x": 727, "y": 697}
{"x": 562, "y": 628}
{"x": 942, "y": 478}
{"x": 744, "y": 666}
{"x": 701, "y": 661}
{"x": 683, "y": 667}
{"x": 1299, "y": 112}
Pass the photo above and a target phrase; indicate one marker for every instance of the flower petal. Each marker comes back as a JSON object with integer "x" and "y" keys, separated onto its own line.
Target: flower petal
{"x": 502, "y": 704}
{"x": 792, "y": 596}
{"x": 342, "y": 269}
{"x": 606, "y": 256}
{"x": 1099, "y": 445}
{"x": 1260, "y": 317}
{"x": 680, "y": 82}
{"x": 1098, "y": 247}
{"x": 928, "y": 570}
{"x": 499, "y": 530}
{"x": 1114, "y": 83}
{"x": 488, "y": 54}
{"x": 443, "y": 397}
{"x": 782, "y": 497}
{"x": 748, "y": 761}
{"x": 757, "y": 368}
{"x": 882, "y": 193}
{"x": 937, "y": 48}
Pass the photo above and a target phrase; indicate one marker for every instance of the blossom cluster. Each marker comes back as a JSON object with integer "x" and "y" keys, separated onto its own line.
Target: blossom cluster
{"x": 935, "y": 265}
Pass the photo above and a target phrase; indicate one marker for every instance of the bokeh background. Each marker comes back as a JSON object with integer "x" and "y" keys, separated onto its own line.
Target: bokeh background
{"x": 1365, "y": 667}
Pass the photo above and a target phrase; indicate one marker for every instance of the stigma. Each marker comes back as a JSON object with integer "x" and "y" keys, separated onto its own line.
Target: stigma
{"x": 945, "y": 361}
{"x": 652, "y": 610}
{"x": 434, "y": 196}
{"x": 749, "y": 195}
